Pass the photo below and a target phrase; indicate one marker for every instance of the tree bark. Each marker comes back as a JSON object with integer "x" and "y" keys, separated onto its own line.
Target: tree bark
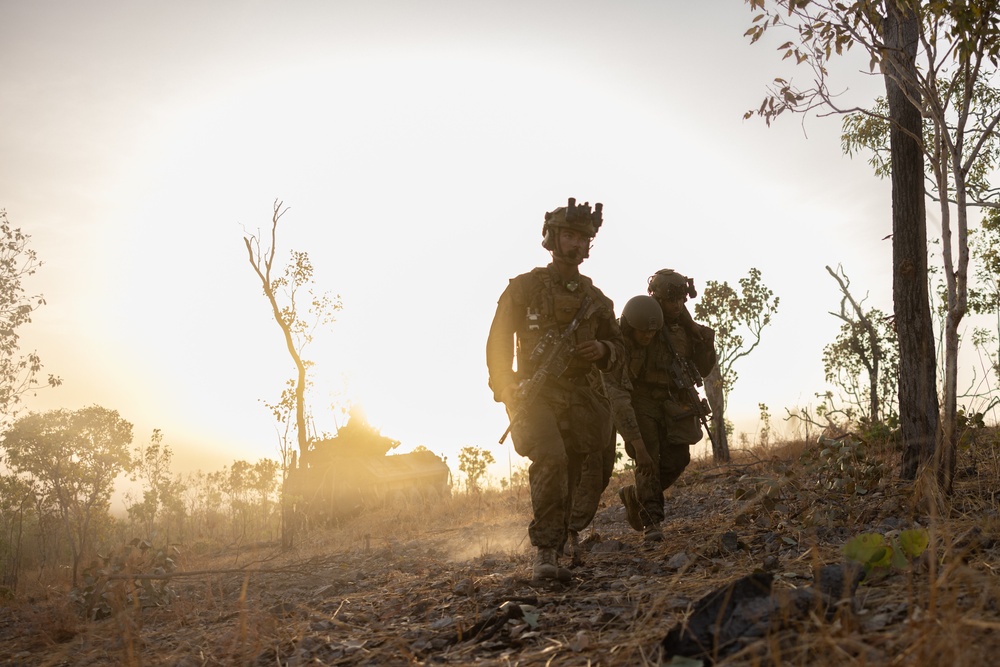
{"x": 918, "y": 400}
{"x": 717, "y": 401}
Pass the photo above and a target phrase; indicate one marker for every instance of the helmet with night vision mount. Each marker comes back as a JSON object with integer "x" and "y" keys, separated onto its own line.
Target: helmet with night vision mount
{"x": 668, "y": 284}
{"x": 579, "y": 218}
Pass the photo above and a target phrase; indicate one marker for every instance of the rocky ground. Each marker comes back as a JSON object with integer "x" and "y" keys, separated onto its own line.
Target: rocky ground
{"x": 449, "y": 584}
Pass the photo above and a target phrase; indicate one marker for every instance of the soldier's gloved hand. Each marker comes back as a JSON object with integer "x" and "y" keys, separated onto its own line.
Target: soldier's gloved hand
{"x": 643, "y": 461}
{"x": 509, "y": 394}
{"x": 686, "y": 321}
{"x": 592, "y": 350}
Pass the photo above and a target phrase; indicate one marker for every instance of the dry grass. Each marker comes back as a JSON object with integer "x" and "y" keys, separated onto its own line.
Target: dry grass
{"x": 436, "y": 583}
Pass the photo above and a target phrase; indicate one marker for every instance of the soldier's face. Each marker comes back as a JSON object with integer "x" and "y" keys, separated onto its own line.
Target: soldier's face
{"x": 672, "y": 305}
{"x": 643, "y": 338}
{"x": 573, "y": 245}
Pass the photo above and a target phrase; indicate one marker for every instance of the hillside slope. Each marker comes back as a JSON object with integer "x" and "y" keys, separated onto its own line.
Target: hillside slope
{"x": 448, "y": 583}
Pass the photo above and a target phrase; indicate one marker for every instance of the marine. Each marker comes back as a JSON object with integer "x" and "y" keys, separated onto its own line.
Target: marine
{"x": 667, "y": 417}
{"x": 568, "y": 418}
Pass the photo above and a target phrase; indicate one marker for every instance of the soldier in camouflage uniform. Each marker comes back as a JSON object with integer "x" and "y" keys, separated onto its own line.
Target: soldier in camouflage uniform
{"x": 568, "y": 418}
{"x": 667, "y": 422}
{"x": 641, "y": 319}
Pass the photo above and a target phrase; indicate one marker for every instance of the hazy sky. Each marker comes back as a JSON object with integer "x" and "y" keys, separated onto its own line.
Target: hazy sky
{"x": 418, "y": 146}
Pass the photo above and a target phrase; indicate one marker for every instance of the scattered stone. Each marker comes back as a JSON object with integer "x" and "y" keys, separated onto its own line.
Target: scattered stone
{"x": 678, "y": 560}
{"x": 464, "y": 587}
{"x": 322, "y": 626}
{"x": 444, "y": 622}
{"x": 284, "y": 609}
{"x": 607, "y": 547}
{"x": 730, "y": 542}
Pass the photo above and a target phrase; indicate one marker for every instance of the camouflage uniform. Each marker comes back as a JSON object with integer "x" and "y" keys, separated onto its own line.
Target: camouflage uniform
{"x": 589, "y": 477}
{"x": 646, "y": 315}
{"x": 666, "y": 421}
{"x": 569, "y": 419}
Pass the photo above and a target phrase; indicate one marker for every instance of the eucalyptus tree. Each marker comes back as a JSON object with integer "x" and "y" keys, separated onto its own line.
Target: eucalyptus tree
{"x": 955, "y": 92}
{"x": 863, "y": 361}
{"x": 473, "y": 461}
{"x": 19, "y": 373}
{"x": 298, "y": 311}
{"x": 74, "y": 458}
{"x": 152, "y": 471}
{"x": 738, "y": 318}
{"x": 937, "y": 59}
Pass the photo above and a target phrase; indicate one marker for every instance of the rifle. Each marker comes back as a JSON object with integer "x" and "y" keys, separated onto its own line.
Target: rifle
{"x": 552, "y": 355}
{"x": 686, "y": 378}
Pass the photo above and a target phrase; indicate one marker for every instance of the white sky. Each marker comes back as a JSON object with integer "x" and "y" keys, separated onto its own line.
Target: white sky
{"x": 418, "y": 146}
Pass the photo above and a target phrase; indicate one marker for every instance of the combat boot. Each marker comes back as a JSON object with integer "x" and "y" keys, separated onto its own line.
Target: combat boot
{"x": 573, "y": 546}
{"x": 546, "y": 567}
{"x": 630, "y": 499}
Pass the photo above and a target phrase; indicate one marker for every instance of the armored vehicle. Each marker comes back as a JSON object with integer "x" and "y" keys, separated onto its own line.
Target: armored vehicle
{"x": 339, "y": 477}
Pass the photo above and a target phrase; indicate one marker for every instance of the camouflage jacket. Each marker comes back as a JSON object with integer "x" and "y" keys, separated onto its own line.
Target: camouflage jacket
{"x": 646, "y": 370}
{"x": 535, "y": 303}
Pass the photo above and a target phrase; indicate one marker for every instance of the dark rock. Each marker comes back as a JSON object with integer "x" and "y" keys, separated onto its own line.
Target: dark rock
{"x": 727, "y": 619}
{"x": 730, "y": 542}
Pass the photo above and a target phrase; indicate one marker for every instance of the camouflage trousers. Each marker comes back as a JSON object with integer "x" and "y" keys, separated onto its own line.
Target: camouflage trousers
{"x": 565, "y": 422}
{"x": 588, "y": 478}
{"x": 668, "y": 442}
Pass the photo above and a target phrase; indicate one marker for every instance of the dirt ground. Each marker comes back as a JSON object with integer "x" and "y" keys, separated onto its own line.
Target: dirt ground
{"x": 448, "y": 583}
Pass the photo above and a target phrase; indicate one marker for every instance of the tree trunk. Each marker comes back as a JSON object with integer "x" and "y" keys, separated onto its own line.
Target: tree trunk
{"x": 717, "y": 401}
{"x": 918, "y": 401}
{"x": 957, "y": 282}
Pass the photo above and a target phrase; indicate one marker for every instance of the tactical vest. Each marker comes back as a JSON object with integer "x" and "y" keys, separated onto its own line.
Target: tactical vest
{"x": 653, "y": 367}
{"x": 549, "y": 306}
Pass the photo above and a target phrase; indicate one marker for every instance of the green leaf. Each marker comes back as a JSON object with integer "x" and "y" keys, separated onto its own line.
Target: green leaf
{"x": 914, "y": 542}
{"x": 899, "y": 559}
{"x": 882, "y": 557}
{"x": 863, "y": 547}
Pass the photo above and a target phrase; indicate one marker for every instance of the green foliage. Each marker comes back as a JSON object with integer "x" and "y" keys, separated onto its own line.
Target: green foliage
{"x": 473, "y": 461}
{"x": 152, "y": 470}
{"x": 250, "y": 491}
{"x": 885, "y": 431}
{"x": 18, "y": 373}
{"x": 137, "y": 574}
{"x": 843, "y": 465}
{"x": 875, "y": 551}
{"x": 853, "y": 357}
{"x": 17, "y": 503}
{"x": 738, "y": 318}
{"x": 74, "y": 457}
{"x": 764, "y": 436}
{"x": 984, "y": 295}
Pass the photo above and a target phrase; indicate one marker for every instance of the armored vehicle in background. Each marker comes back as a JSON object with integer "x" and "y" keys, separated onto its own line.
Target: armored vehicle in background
{"x": 341, "y": 476}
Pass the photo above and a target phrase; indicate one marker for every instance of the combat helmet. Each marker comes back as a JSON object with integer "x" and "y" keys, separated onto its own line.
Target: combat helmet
{"x": 668, "y": 284}
{"x": 643, "y": 313}
{"x": 578, "y": 218}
